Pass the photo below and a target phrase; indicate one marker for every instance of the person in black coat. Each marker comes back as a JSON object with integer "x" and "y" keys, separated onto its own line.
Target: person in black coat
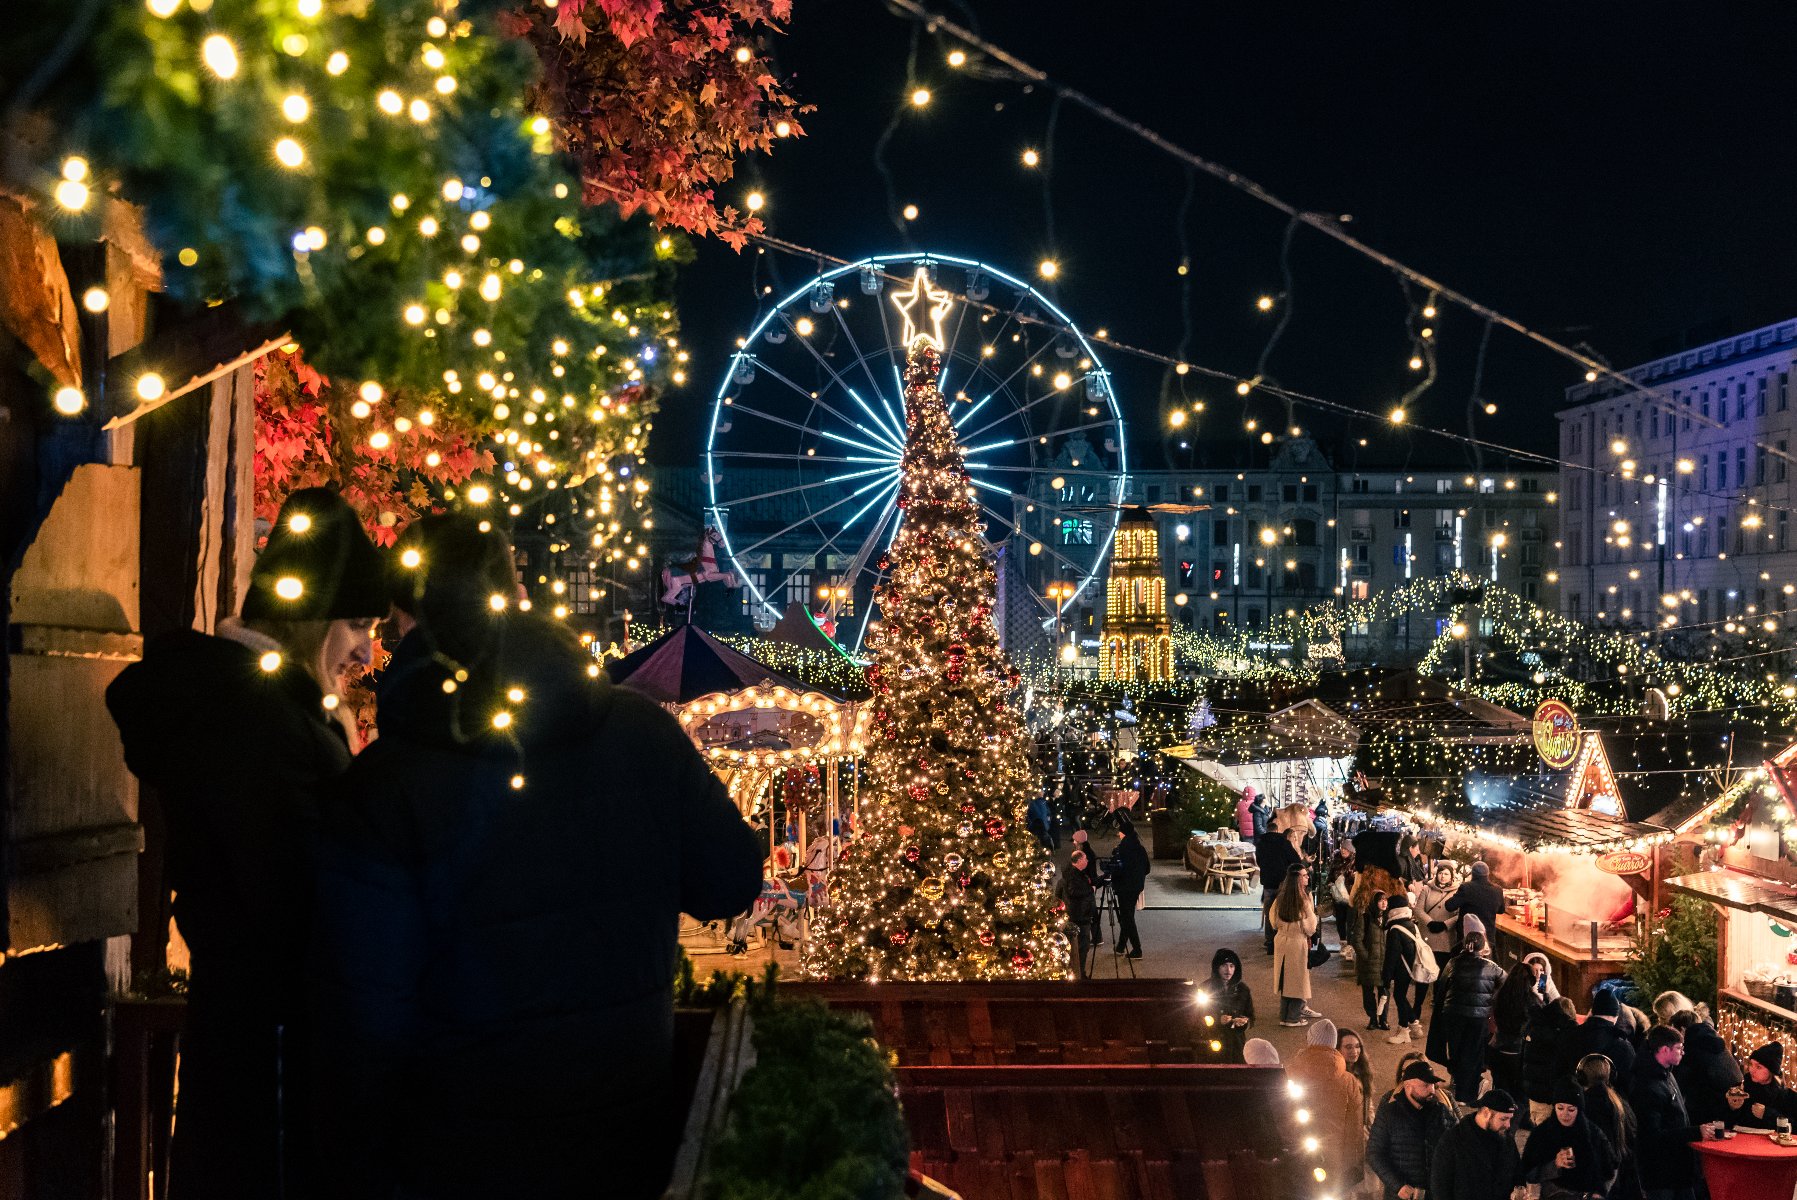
{"x": 239, "y": 737}
{"x": 494, "y": 994}
{"x": 1708, "y": 1072}
{"x": 1128, "y": 878}
{"x": 1472, "y": 985}
{"x": 1568, "y": 1155}
{"x": 1228, "y": 999}
{"x": 1665, "y": 1131}
{"x": 1544, "y": 1061}
{"x": 1768, "y": 1099}
{"x": 1407, "y": 1129}
{"x": 1476, "y": 1159}
{"x": 1598, "y": 1034}
{"x": 1402, "y": 944}
{"x": 1082, "y": 907}
{"x": 1275, "y": 855}
{"x": 1515, "y": 1003}
{"x": 1478, "y": 897}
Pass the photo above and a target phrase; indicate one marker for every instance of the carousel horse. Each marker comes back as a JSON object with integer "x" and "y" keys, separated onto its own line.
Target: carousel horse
{"x": 780, "y": 906}
{"x": 678, "y": 579}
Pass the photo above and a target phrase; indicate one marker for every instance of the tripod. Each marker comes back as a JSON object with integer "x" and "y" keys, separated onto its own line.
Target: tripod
{"x": 1107, "y": 903}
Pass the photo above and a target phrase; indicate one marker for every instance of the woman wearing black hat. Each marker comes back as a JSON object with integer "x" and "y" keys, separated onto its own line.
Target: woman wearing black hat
{"x": 1768, "y": 1099}
{"x": 487, "y": 1027}
{"x": 241, "y": 735}
{"x": 1567, "y": 1155}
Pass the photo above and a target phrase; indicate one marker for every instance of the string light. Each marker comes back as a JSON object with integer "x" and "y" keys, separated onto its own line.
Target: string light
{"x": 69, "y": 401}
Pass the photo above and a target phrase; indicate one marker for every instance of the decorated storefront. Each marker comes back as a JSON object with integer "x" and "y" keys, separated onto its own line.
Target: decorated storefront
{"x": 1749, "y": 872}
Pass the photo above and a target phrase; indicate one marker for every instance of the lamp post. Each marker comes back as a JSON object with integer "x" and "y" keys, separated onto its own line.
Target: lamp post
{"x": 1269, "y": 538}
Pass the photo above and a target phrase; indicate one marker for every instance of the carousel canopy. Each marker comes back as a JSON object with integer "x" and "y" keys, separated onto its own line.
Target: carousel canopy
{"x": 799, "y": 628}
{"x": 687, "y": 663}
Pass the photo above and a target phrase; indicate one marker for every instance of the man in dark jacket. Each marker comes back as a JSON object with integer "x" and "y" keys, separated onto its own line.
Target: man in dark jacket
{"x": 1664, "y": 1131}
{"x": 495, "y": 1004}
{"x": 1409, "y": 1125}
{"x": 1472, "y": 984}
{"x": 1477, "y": 1159}
{"x": 1129, "y": 878}
{"x": 239, "y": 738}
{"x": 1082, "y": 907}
{"x": 1708, "y": 1073}
{"x": 1598, "y": 1035}
{"x": 1478, "y": 897}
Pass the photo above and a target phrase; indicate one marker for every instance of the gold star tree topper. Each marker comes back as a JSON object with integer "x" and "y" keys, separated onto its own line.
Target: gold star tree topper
{"x": 922, "y": 294}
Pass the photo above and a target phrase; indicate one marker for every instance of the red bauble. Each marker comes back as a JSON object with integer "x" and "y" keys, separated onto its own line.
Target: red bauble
{"x": 995, "y": 828}
{"x": 912, "y": 854}
{"x": 1022, "y": 959}
{"x": 964, "y": 879}
{"x": 918, "y": 792}
{"x": 901, "y": 937}
{"x": 967, "y": 809}
{"x": 986, "y": 937}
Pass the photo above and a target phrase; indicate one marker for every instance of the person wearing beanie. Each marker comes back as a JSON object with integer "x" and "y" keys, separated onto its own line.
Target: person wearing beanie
{"x": 1336, "y": 1100}
{"x": 1478, "y": 897}
{"x": 1477, "y": 1159}
{"x": 462, "y": 930}
{"x": 1259, "y": 1052}
{"x": 1405, "y": 951}
{"x": 1768, "y": 1098}
{"x": 1568, "y": 1155}
{"x": 1408, "y": 1131}
{"x": 1598, "y": 1034}
{"x": 1708, "y": 1073}
{"x": 239, "y": 736}
{"x": 1663, "y": 1127}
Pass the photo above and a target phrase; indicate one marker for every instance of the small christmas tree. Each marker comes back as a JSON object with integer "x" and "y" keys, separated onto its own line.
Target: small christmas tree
{"x": 1201, "y": 718}
{"x": 944, "y": 881}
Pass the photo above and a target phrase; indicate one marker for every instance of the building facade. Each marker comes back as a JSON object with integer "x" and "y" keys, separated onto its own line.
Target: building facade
{"x": 1679, "y": 512}
{"x": 1292, "y": 530}
{"x": 1137, "y": 642}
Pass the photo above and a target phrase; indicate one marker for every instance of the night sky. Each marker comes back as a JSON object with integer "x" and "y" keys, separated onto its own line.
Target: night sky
{"x": 1609, "y": 173}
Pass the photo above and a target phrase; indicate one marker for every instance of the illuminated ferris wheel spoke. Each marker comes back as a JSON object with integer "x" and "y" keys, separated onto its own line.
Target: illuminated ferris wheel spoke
{"x": 1053, "y": 553}
{"x": 776, "y": 456}
{"x": 867, "y": 370}
{"x": 870, "y": 412}
{"x": 1065, "y": 393}
{"x": 897, "y": 438}
{"x": 806, "y": 487}
{"x": 779, "y": 533}
{"x": 888, "y": 451}
{"x": 816, "y": 399}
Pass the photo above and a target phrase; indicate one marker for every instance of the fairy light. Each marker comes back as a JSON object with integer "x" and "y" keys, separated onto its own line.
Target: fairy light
{"x": 150, "y": 386}
{"x": 69, "y": 401}
{"x": 756, "y": 201}
{"x": 95, "y": 300}
{"x": 220, "y": 56}
{"x": 920, "y": 97}
{"x": 1031, "y": 158}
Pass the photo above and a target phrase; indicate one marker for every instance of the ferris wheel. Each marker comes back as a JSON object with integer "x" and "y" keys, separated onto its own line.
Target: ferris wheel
{"x": 808, "y": 427}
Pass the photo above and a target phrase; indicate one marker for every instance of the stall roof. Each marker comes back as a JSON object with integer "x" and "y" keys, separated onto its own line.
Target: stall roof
{"x": 1737, "y": 889}
{"x": 687, "y": 663}
{"x": 1580, "y": 829}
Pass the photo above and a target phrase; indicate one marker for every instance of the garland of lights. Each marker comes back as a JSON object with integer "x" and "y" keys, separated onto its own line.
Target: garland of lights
{"x": 845, "y": 726}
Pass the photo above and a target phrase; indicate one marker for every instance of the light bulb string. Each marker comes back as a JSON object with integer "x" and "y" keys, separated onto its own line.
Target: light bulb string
{"x": 1322, "y": 222}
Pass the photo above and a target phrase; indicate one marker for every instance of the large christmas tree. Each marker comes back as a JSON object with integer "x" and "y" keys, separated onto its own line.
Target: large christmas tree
{"x": 944, "y": 882}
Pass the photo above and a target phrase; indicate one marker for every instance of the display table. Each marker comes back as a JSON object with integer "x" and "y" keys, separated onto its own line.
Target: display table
{"x": 1576, "y": 970}
{"x": 1749, "y": 1167}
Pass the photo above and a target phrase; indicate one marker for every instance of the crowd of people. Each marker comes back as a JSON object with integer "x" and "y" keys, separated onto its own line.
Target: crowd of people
{"x": 1503, "y": 1082}
{"x": 406, "y": 970}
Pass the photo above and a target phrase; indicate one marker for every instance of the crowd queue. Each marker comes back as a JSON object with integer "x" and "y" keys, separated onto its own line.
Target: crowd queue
{"x": 1607, "y": 1104}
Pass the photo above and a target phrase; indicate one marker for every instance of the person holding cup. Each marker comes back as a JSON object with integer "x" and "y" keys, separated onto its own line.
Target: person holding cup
{"x": 1567, "y": 1155}
{"x": 1667, "y": 1163}
{"x": 1769, "y": 1103}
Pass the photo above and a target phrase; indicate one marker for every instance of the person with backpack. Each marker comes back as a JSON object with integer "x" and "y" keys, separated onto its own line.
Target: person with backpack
{"x": 1410, "y": 967}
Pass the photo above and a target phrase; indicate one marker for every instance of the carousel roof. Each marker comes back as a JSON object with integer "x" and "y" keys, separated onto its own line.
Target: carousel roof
{"x": 687, "y": 663}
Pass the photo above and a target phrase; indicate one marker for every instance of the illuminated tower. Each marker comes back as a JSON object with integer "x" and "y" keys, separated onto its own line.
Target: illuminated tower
{"x": 1138, "y": 639}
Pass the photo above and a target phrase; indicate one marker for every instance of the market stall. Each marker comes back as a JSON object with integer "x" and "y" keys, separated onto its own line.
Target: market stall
{"x": 1750, "y": 875}
{"x": 1575, "y": 869}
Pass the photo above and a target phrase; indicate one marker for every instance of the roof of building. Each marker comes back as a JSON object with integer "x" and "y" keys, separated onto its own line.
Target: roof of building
{"x": 686, "y": 663}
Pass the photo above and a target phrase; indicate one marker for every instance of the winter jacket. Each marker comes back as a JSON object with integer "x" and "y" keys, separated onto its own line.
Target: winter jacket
{"x": 1401, "y": 1148}
{"x": 1400, "y": 952}
{"x": 1232, "y": 999}
{"x": 1664, "y": 1130}
{"x": 1482, "y": 900}
{"x": 1131, "y": 874}
{"x": 1244, "y": 818}
{"x": 495, "y": 1000}
{"x": 240, "y": 759}
{"x": 1369, "y": 950}
{"x": 1439, "y": 927}
{"x": 1511, "y": 1010}
{"x": 1594, "y": 1160}
{"x": 1595, "y": 1035}
{"x": 1544, "y": 1041}
{"x": 1706, "y": 1073}
{"x": 1276, "y": 856}
{"x": 1777, "y": 1099}
{"x": 1337, "y": 1106}
{"x": 1076, "y": 890}
{"x": 1472, "y": 982}
{"x": 1474, "y": 1164}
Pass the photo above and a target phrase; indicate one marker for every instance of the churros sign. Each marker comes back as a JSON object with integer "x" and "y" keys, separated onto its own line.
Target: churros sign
{"x": 1556, "y": 734}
